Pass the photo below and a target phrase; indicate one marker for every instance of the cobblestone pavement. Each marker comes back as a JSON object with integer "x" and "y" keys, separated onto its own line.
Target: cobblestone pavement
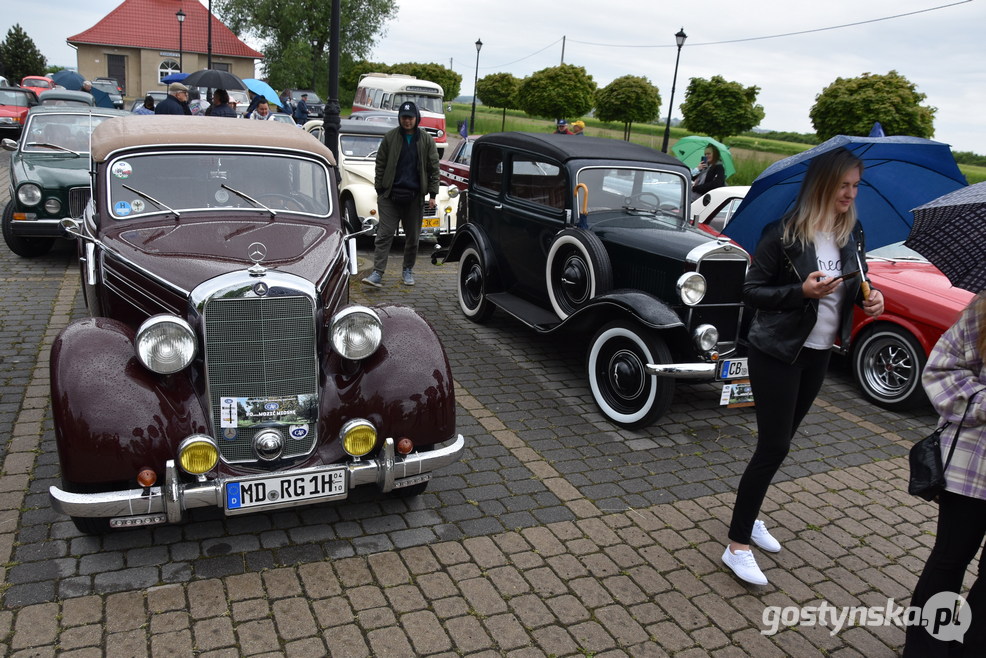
{"x": 557, "y": 534}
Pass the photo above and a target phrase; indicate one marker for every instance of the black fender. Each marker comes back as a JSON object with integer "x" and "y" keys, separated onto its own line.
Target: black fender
{"x": 114, "y": 417}
{"x": 405, "y": 388}
{"x": 471, "y": 234}
{"x": 638, "y": 306}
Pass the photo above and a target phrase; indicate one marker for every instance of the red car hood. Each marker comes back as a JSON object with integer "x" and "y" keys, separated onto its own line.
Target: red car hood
{"x": 917, "y": 278}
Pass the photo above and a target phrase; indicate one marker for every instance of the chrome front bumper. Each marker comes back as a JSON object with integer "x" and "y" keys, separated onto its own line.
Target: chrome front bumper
{"x": 167, "y": 504}
{"x": 683, "y": 370}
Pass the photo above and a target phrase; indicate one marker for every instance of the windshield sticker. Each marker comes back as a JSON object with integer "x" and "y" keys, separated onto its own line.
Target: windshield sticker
{"x": 222, "y": 196}
{"x": 121, "y": 208}
{"x": 293, "y": 413}
{"x": 122, "y": 169}
{"x": 137, "y": 205}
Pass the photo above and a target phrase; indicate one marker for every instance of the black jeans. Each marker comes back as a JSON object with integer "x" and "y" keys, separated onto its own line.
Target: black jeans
{"x": 784, "y": 392}
{"x": 393, "y": 214}
{"x": 961, "y": 528}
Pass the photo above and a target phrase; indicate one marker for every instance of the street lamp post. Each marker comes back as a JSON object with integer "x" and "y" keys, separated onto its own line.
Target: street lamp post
{"x": 180, "y": 15}
{"x": 680, "y": 40}
{"x": 472, "y": 118}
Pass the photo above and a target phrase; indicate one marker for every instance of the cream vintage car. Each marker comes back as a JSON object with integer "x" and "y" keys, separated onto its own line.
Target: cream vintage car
{"x": 359, "y": 142}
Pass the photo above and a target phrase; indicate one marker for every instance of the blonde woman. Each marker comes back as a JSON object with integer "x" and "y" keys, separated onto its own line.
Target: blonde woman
{"x": 802, "y": 303}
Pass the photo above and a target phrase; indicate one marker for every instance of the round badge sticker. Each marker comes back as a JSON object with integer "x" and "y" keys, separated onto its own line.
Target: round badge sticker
{"x": 298, "y": 431}
{"x": 122, "y": 169}
{"x": 222, "y": 196}
{"x": 229, "y": 434}
{"x": 121, "y": 208}
{"x": 137, "y": 205}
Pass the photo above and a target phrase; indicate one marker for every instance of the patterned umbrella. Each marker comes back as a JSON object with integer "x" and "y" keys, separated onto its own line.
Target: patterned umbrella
{"x": 950, "y": 231}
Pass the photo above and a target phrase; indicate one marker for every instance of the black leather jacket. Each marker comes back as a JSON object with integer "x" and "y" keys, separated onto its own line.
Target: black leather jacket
{"x": 783, "y": 316}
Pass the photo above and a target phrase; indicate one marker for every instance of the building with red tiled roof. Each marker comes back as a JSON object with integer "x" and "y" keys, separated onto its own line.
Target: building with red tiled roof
{"x": 140, "y": 42}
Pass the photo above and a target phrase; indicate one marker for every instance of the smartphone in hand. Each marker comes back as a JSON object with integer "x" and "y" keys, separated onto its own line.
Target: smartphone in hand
{"x": 848, "y": 276}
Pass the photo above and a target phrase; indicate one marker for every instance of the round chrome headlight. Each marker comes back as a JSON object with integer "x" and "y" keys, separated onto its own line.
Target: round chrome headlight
{"x": 705, "y": 336}
{"x": 356, "y": 332}
{"x": 691, "y": 288}
{"x": 358, "y": 437}
{"x": 29, "y": 194}
{"x": 453, "y": 191}
{"x": 53, "y": 206}
{"x": 165, "y": 344}
{"x": 198, "y": 454}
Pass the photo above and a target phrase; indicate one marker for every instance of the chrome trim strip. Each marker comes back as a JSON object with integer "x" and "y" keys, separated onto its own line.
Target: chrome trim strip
{"x": 682, "y": 370}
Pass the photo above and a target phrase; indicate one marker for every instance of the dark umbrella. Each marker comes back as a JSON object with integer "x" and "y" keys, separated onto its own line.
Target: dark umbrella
{"x": 213, "y": 79}
{"x": 101, "y": 98}
{"x": 951, "y": 233}
{"x": 900, "y": 173}
{"x": 68, "y": 79}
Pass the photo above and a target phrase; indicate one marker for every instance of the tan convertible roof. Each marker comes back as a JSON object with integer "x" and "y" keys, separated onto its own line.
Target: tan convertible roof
{"x": 172, "y": 130}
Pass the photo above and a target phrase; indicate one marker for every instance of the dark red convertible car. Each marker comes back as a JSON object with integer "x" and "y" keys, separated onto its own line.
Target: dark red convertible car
{"x": 223, "y": 365}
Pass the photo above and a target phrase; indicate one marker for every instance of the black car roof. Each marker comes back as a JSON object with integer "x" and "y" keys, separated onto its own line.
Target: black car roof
{"x": 571, "y": 147}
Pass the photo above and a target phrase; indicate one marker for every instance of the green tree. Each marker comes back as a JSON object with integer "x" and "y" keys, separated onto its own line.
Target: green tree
{"x": 628, "y": 99}
{"x": 719, "y": 108}
{"x": 19, "y": 56}
{"x": 850, "y": 106}
{"x": 498, "y": 90}
{"x": 295, "y": 35}
{"x": 557, "y": 92}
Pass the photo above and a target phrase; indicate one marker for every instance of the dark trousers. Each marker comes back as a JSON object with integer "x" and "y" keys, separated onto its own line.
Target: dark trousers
{"x": 393, "y": 214}
{"x": 961, "y": 528}
{"x": 784, "y": 393}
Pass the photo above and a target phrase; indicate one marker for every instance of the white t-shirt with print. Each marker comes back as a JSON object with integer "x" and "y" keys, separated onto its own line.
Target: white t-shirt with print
{"x": 822, "y": 337}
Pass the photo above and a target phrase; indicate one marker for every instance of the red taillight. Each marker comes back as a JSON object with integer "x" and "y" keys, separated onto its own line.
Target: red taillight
{"x": 147, "y": 477}
{"x": 405, "y": 446}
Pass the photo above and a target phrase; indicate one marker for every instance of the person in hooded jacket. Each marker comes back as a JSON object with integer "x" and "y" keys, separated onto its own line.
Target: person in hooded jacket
{"x": 406, "y": 171}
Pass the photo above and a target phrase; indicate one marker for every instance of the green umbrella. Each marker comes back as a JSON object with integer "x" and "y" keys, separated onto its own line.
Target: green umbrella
{"x": 691, "y": 149}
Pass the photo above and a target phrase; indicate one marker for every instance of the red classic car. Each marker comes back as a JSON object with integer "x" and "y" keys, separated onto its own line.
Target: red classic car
{"x": 38, "y": 83}
{"x": 14, "y": 105}
{"x": 223, "y": 365}
{"x": 454, "y": 170}
{"x": 889, "y": 352}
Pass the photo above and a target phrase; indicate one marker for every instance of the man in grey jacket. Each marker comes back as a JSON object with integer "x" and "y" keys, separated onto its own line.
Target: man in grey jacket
{"x": 406, "y": 171}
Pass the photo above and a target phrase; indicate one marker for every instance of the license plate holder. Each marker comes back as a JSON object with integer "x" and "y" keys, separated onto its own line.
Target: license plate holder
{"x": 285, "y": 490}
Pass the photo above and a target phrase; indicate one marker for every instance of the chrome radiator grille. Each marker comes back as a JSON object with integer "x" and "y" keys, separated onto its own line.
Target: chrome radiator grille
{"x": 78, "y": 197}
{"x": 261, "y": 349}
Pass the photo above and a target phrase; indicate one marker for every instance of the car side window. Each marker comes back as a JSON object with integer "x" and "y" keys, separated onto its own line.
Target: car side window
{"x": 538, "y": 182}
{"x": 487, "y": 172}
{"x": 465, "y": 154}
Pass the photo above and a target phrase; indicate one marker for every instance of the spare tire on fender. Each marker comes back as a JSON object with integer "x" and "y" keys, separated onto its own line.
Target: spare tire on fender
{"x": 577, "y": 270}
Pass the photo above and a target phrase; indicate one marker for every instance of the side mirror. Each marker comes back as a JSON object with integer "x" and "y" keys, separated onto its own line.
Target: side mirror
{"x": 8, "y": 144}
{"x": 71, "y": 225}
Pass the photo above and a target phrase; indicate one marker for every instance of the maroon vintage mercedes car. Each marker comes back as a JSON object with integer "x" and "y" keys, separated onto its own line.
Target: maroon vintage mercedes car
{"x": 223, "y": 365}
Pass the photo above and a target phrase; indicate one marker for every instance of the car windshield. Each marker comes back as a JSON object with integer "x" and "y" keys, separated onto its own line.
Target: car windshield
{"x": 39, "y": 83}
{"x": 360, "y": 146}
{"x": 107, "y": 87}
{"x": 15, "y": 98}
{"x": 312, "y": 96}
{"x": 425, "y": 103}
{"x": 633, "y": 191}
{"x": 54, "y": 133}
{"x": 170, "y": 183}
{"x": 895, "y": 251}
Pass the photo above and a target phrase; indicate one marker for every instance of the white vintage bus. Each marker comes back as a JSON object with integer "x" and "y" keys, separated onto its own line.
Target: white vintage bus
{"x": 384, "y": 92}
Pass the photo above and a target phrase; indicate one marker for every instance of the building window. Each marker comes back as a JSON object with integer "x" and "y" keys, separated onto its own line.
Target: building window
{"x": 167, "y": 67}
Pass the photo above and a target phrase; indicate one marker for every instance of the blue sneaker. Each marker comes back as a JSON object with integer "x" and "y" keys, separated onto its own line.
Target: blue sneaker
{"x": 375, "y": 279}
{"x": 407, "y": 277}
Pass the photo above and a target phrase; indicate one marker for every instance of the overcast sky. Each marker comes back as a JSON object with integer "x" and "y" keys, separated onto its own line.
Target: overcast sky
{"x": 941, "y": 49}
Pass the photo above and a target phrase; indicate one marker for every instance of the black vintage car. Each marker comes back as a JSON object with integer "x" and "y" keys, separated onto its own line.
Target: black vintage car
{"x": 591, "y": 235}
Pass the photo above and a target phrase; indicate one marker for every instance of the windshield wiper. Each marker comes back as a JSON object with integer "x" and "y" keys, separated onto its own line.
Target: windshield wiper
{"x": 54, "y": 146}
{"x": 153, "y": 200}
{"x": 249, "y": 198}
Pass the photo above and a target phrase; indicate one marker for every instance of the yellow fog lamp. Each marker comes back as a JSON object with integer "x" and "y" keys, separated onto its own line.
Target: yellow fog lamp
{"x": 358, "y": 436}
{"x": 198, "y": 454}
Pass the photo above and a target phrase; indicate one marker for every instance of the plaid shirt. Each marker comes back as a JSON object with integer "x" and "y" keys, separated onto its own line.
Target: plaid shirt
{"x": 955, "y": 372}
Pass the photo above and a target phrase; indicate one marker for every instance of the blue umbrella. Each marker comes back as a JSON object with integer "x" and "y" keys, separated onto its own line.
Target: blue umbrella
{"x": 68, "y": 79}
{"x": 175, "y": 77}
{"x": 899, "y": 173}
{"x": 101, "y": 98}
{"x": 261, "y": 88}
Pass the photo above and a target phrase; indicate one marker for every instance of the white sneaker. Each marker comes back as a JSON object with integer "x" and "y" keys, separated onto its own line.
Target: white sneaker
{"x": 764, "y": 539}
{"x": 744, "y": 565}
